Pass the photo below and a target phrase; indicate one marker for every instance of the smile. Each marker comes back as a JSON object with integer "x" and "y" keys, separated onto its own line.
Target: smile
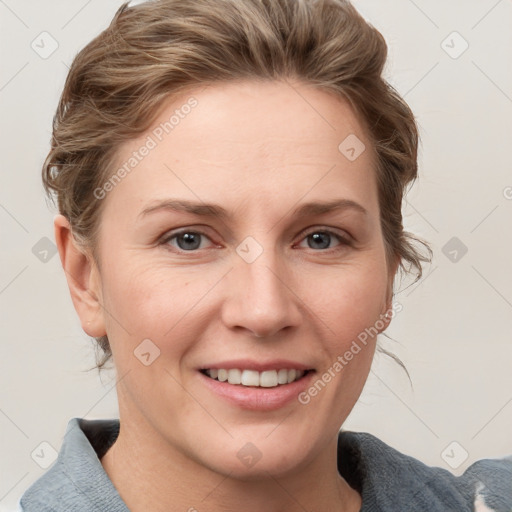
{"x": 253, "y": 378}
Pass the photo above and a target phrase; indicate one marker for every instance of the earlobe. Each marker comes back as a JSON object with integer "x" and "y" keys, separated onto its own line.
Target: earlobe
{"x": 388, "y": 312}
{"x": 385, "y": 318}
{"x": 83, "y": 279}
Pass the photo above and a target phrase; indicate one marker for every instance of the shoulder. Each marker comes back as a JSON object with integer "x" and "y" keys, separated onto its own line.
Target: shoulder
{"x": 389, "y": 480}
{"x": 493, "y": 484}
{"x": 77, "y": 481}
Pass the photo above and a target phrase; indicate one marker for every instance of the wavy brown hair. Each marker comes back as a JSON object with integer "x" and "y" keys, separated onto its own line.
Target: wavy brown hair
{"x": 154, "y": 50}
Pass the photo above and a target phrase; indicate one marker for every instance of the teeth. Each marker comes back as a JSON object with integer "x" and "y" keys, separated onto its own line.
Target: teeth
{"x": 234, "y": 376}
{"x": 268, "y": 379}
{"x": 265, "y": 379}
{"x": 282, "y": 377}
{"x": 250, "y": 378}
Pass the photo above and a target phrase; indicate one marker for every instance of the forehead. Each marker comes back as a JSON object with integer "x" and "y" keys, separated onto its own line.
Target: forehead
{"x": 228, "y": 142}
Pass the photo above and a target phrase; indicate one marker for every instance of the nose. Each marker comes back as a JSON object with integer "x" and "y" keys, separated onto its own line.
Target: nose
{"x": 260, "y": 298}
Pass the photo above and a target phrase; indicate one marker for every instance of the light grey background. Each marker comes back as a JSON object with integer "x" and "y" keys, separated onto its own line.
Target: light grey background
{"x": 454, "y": 333}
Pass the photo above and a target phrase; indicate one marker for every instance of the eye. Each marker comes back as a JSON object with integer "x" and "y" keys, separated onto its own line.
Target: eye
{"x": 190, "y": 241}
{"x": 186, "y": 240}
{"x": 322, "y": 239}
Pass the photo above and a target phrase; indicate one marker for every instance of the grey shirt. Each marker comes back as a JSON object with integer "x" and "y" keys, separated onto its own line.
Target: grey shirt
{"x": 388, "y": 480}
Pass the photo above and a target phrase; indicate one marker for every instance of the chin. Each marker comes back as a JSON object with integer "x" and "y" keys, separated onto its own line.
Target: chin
{"x": 276, "y": 467}
{"x": 247, "y": 460}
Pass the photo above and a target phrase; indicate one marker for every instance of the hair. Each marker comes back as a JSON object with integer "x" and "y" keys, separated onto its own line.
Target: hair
{"x": 156, "y": 49}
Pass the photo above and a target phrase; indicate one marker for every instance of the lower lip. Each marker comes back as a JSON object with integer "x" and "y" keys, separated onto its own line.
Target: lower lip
{"x": 258, "y": 398}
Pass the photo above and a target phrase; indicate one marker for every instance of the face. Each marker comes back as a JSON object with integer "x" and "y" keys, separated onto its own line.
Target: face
{"x": 245, "y": 240}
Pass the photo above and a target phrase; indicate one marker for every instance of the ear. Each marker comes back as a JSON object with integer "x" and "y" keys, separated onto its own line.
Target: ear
{"x": 83, "y": 279}
{"x": 388, "y": 305}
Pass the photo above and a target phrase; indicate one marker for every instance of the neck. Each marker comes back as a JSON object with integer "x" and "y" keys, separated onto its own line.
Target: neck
{"x": 149, "y": 474}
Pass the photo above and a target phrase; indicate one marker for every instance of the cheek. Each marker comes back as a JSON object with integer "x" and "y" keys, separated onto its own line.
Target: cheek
{"x": 347, "y": 308}
{"x": 144, "y": 301}
{"x": 347, "y": 299}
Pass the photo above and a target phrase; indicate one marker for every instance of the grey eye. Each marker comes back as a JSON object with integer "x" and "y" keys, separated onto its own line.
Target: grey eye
{"x": 188, "y": 241}
{"x": 319, "y": 240}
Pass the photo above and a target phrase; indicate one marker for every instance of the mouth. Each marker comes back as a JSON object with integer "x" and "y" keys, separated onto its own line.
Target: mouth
{"x": 251, "y": 385}
{"x": 256, "y": 379}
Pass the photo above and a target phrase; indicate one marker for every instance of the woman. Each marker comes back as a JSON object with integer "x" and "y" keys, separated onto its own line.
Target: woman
{"x": 229, "y": 176}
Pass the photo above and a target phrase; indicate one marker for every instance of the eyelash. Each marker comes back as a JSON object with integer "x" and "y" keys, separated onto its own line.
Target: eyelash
{"x": 343, "y": 241}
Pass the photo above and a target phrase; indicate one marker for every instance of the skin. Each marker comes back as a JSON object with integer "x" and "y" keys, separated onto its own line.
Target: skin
{"x": 259, "y": 150}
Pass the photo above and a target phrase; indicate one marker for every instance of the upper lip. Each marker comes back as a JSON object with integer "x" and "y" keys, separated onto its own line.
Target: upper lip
{"x": 260, "y": 366}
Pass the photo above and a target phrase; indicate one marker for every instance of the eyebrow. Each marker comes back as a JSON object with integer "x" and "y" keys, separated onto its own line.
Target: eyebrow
{"x": 213, "y": 210}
